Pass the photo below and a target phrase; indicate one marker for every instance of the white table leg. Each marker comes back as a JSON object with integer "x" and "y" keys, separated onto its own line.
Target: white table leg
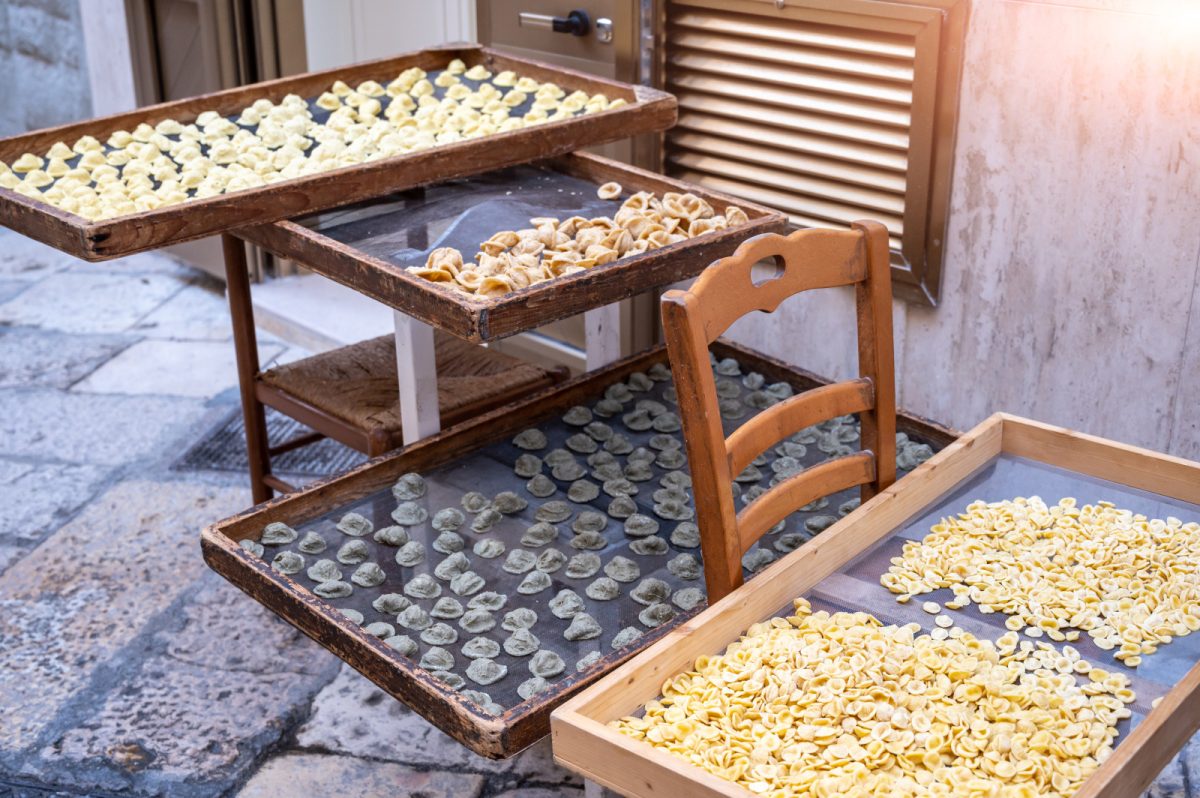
{"x": 416, "y": 367}
{"x": 602, "y": 326}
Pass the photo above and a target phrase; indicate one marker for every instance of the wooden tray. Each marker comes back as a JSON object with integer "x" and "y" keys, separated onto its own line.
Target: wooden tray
{"x": 1005, "y": 453}
{"x": 526, "y": 722}
{"x": 648, "y": 110}
{"x": 489, "y": 319}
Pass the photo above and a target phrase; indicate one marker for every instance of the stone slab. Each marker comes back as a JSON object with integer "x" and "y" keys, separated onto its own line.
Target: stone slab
{"x": 544, "y": 792}
{"x": 89, "y": 302}
{"x": 222, "y": 628}
{"x": 8, "y": 556}
{"x": 352, "y": 716}
{"x": 31, "y": 357}
{"x": 347, "y": 777}
{"x": 177, "y": 729}
{"x": 35, "y": 499}
{"x": 197, "y": 313}
{"x": 93, "y": 428}
{"x": 199, "y": 369}
{"x": 316, "y": 313}
{"x": 23, "y": 258}
{"x": 156, "y": 262}
{"x": 10, "y": 288}
{"x": 12, "y": 470}
{"x": 85, "y": 593}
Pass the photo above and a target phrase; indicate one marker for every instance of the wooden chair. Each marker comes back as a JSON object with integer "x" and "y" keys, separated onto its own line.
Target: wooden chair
{"x": 725, "y": 292}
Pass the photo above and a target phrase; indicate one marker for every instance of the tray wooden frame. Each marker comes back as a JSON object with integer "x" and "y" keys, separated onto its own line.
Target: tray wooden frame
{"x": 487, "y": 319}
{"x": 495, "y": 737}
{"x": 648, "y": 111}
{"x": 583, "y": 743}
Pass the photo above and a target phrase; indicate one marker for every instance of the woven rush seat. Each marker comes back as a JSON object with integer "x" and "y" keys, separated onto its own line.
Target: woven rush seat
{"x": 357, "y": 384}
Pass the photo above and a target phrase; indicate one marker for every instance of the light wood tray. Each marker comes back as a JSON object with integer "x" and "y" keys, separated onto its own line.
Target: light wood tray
{"x": 493, "y": 318}
{"x": 583, "y": 742}
{"x": 526, "y": 722}
{"x": 648, "y": 110}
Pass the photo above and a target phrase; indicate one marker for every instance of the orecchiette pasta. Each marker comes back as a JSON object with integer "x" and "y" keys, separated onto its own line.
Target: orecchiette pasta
{"x": 821, "y": 704}
{"x": 549, "y": 247}
{"x": 1127, "y": 580}
{"x": 267, "y": 142}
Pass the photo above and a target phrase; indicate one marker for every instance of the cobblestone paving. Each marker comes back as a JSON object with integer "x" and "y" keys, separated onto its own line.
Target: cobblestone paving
{"x": 126, "y": 667}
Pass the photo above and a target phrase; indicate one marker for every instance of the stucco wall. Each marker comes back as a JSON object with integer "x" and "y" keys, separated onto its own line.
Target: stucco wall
{"x": 43, "y": 70}
{"x": 1071, "y": 288}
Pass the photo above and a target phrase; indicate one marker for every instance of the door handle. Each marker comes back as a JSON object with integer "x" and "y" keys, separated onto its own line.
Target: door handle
{"x": 576, "y": 23}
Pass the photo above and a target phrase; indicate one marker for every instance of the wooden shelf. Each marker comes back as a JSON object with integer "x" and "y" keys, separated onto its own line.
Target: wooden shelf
{"x": 647, "y": 110}
{"x": 350, "y": 394}
{"x": 357, "y": 256}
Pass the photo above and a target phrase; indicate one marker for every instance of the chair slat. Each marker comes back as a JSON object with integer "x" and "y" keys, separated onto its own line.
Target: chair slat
{"x": 873, "y": 298}
{"x": 794, "y": 414}
{"x": 799, "y": 489}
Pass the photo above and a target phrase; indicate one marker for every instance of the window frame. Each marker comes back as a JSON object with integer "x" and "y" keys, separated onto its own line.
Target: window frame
{"x": 938, "y": 28}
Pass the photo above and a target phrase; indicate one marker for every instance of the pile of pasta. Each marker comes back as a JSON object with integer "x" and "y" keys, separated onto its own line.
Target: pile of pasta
{"x": 172, "y": 162}
{"x": 1131, "y": 582}
{"x": 823, "y": 704}
{"x": 550, "y": 247}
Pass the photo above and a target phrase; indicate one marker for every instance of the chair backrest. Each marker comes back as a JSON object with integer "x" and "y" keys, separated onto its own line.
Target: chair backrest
{"x": 725, "y": 292}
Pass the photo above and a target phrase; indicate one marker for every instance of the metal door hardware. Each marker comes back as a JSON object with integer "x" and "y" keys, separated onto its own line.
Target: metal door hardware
{"x": 576, "y": 23}
{"x": 604, "y": 30}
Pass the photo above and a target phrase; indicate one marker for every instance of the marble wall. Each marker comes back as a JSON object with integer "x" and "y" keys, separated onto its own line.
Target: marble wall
{"x": 1071, "y": 288}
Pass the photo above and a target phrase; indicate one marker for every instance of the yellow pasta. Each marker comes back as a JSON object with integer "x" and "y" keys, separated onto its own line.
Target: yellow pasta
{"x": 1132, "y": 583}
{"x": 819, "y": 705}
{"x": 477, "y": 72}
{"x": 553, "y": 248}
{"x": 271, "y": 142}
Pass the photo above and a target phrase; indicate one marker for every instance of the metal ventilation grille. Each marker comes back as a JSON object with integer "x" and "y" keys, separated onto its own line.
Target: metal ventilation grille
{"x": 813, "y": 118}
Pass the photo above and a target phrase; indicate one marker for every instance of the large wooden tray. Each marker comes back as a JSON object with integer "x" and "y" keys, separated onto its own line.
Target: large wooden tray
{"x": 1001, "y": 455}
{"x": 525, "y": 722}
{"x": 489, "y": 319}
{"x": 648, "y": 110}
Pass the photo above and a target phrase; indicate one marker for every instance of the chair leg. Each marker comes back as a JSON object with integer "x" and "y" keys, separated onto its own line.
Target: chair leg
{"x": 245, "y": 345}
{"x": 378, "y": 442}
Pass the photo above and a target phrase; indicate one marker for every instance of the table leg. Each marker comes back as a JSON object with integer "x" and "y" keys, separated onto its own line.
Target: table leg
{"x": 602, "y": 327}
{"x": 245, "y": 347}
{"x": 416, "y": 367}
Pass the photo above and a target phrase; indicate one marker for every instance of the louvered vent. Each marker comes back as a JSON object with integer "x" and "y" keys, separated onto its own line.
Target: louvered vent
{"x": 825, "y": 116}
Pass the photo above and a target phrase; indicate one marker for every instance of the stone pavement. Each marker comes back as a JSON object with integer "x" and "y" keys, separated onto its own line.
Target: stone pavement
{"x": 126, "y": 667}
